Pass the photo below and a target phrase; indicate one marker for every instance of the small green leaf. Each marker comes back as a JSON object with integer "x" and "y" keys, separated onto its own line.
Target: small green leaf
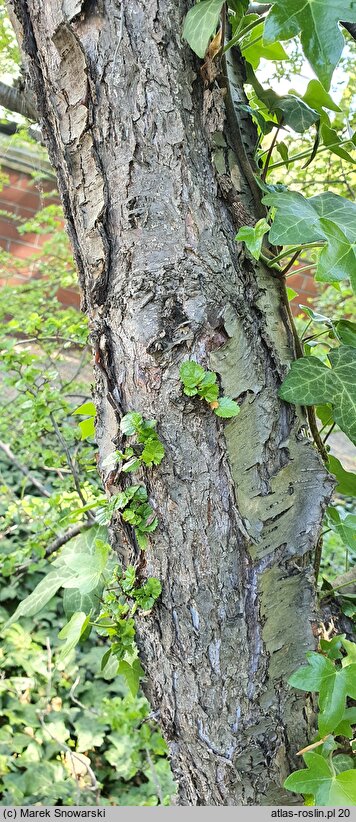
{"x": 87, "y": 428}
{"x": 87, "y": 409}
{"x": 190, "y": 372}
{"x": 132, "y": 674}
{"x": 227, "y": 408}
{"x": 130, "y": 423}
{"x": 200, "y": 24}
{"x": 153, "y": 452}
{"x": 296, "y": 113}
{"x": 291, "y": 293}
{"x": 253, "y": 237}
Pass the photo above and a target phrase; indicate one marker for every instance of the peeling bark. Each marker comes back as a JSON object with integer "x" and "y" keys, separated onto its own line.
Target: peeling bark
{"x": 153, "y": 194}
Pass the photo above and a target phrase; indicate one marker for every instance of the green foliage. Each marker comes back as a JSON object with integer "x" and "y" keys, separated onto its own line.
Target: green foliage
{"x": 326, "y": 219}
{"x": 323, "y": 782}
{"x": 317, "y": 24}
{"x": 201, "y": 383}
{"x": 253, "y": 237}
{"x": 57, "y": 702}
{"x": 330, "y": 777}
{"x": 200, "y": 24}
{"x": 311, "y": 382}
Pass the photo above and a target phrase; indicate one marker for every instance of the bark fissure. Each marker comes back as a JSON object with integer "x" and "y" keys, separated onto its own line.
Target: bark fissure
{"x": 154, "y": 194}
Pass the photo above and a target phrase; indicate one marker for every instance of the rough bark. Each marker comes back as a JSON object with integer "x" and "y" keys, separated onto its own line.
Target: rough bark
{"x": 145, "y": 161}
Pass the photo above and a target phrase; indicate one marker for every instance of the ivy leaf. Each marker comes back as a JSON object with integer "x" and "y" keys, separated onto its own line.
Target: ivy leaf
{"x": 346, "y": 331}
{"x": 317, "y": 23}
{"x": 332, "y": 140}
{"x": 200, "y": 24}
{"x": 316, "y": 97}
{"x": 85, "y": 575}
{"x": 344, "y": 728}
{"x": 254, "y": 52}
{"x": 345, "y": 527}
{"x": 191, "y": 373}
{"x": 327, "y": 218}
{"x": 74, "y": 600}
{"x": 320, "y": 780}
{"x": 310, "y": 382}
{"x": 346, "y": 480}
{"x": 39, "y": 597}
{"x": 72, "y": 632}
{"x": 253, "y": 237}
{"x": 227, "y": 408}
{"x": 296, "y": 113}
{"x": 153, "y": 452}
{"x": 132, "y": 674}
{"x": 333, "y": 685}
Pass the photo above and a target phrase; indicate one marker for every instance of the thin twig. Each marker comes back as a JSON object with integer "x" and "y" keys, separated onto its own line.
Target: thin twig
{"x": 72, "y": 467}
{"x": 11, "y": 456}
{"x": 154, "y": 776}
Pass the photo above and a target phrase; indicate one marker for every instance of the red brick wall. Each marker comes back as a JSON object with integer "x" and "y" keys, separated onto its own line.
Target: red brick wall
{"x": 23, "y": 198}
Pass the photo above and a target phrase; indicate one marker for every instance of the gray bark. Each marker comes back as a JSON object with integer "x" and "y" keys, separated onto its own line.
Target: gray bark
{"x": 145, "y": 161}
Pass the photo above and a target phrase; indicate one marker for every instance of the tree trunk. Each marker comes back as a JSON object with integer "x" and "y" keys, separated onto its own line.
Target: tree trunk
{"x": 153, "y": 195}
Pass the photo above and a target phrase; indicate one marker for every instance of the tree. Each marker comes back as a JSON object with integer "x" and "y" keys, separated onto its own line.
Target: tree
{"x": 156, "y": 176}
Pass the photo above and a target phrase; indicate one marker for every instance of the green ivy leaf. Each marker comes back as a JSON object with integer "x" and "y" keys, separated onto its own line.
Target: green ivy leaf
{"x": 346, "y": 331}
{"x": 333, "y": 685}
{"x": 310, "y": 382}
{"x": 317, "y": 23}
{"x": 72, "y": 632}
{"x": 320, "y": 780}
{"x": 345, "y": 727}
{"x": 327, "y": 218}
{"x": 200, "y": 24}
{"x": 132, "y": 674}
{"x": 260, "y": 51}
{"x": 227, "y": 408}
{"x": 331, "y": 139}
{"x": 346, "y": 480}
{"x": 153, "y": 452}
{"x": 190, "y": 372}
{"x": 39, "y": 597}
{"x": 345, "y": 527}
{"x": 296, "y": 113}
{"x": 253, "y": 237}
{"x": 316, "y": 97}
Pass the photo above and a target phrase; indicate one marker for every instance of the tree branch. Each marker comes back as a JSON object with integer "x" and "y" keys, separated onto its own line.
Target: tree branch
{"x": 11, "y": 456}
{"x": 15, "y": 100}
{"x": 63, "y": 538}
